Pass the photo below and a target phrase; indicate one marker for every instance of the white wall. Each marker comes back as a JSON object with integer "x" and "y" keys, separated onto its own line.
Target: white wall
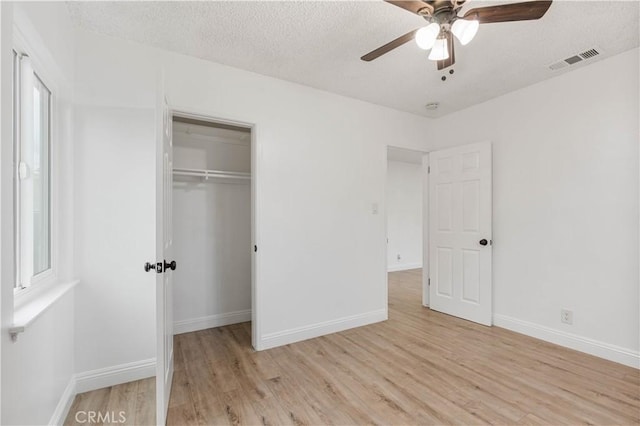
{"x": 211, "y": 230}
{"x": 321, "y": 162}
{"x": 37, "y": 369}
{"x": 115, "y": 198}
{"x": 115, "y": 234}
{"x": 404, "y": 215}
{"x": 565, "y": 206}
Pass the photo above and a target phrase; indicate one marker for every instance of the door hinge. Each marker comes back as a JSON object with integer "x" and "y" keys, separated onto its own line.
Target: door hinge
{"x": 429, "y": 283}
{"x": 428, "y": 169}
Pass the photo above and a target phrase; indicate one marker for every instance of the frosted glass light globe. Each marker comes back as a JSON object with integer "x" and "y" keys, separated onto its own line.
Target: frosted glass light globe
{"x": 426, "y": 36}
{"x": 465, "y": 30}
{"x": 439, "y": 51}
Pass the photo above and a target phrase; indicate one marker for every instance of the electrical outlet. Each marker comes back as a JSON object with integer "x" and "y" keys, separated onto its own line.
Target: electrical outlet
{"x": 398, "y": 257}
{"x": 566, "y": 316}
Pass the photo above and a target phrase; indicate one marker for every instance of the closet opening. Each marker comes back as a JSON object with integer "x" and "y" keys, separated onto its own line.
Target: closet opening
{"x": 212, "y": 222}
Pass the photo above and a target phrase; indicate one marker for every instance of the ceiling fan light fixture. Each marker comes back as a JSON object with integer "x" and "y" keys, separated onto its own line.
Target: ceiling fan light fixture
{"x": 439, "y": 51}
{"x": 465, "y": 30}
{"x": 426, "y": 36}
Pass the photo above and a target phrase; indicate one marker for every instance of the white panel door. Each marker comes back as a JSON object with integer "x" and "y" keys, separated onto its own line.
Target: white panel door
{"x": 165, "y": 265}
{"x": 460, "y": 232}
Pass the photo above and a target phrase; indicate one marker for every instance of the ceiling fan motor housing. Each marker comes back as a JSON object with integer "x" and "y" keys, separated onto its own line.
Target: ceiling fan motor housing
{"x": 443, "y": 12}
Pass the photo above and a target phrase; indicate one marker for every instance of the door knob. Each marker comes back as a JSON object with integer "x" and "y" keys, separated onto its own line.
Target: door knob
{"x": 172, "y": 265}
{"x": 483, "y": 242}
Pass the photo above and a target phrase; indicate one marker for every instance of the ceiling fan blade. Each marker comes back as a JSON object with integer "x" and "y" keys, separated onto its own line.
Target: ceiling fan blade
{"x": 389, "y": 46}
{"x": 510, "y": 12}
{"x": 452, "y": 55}
{"x": 413, "y": 6}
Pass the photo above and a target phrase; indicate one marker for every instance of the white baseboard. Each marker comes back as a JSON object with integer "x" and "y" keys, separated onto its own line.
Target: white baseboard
{"x": 403, "y": 267}
{"x": 62, "y": 409}
{"x": 572, "y": 341}
{"x": 271, "y": 340}
{"x": 115, "y": 375}
{"x": 218, "y": 320}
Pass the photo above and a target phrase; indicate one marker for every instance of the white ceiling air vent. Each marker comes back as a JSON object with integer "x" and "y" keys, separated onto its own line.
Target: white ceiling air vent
{"x": 589, "y": 53}
{"x": 579, "y": 57}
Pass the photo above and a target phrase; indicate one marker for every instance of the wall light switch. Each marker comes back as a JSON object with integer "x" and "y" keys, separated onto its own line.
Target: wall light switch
{"x": 374, "y": 208}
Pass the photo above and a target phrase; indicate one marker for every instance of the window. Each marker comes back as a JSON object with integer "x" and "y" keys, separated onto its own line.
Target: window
{"x": 32, "y": 139}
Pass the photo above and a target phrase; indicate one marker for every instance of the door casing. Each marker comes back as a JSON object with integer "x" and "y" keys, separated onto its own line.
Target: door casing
{"x": 425, "y": 229}
{"x": 184, "y": 112}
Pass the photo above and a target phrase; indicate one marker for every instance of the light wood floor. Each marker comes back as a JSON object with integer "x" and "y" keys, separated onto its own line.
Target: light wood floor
{"x": 420, "y": 367}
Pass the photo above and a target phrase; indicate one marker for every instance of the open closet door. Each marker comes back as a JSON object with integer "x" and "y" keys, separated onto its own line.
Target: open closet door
{"x": 164, "y": 256}
{"x": 460, "y": 232}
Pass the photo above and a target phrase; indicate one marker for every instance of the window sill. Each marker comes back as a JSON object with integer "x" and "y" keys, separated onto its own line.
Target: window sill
{"x": 26, "y": 313}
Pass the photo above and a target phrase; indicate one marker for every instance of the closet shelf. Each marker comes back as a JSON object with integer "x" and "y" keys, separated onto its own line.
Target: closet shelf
{"x": 211, "y": 173}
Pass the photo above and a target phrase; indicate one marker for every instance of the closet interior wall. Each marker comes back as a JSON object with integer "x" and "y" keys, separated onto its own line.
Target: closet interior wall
{"x": 211, "y": 226}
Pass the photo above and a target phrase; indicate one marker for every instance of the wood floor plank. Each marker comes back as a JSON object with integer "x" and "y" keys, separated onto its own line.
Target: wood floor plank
{"x": 123, "y": 397}
{"x": 145, "y": 414}
{"x": 238, "y": 409}
{"x": 298, "y": 413}
{"x": 182, "y": 414}
{"x": 433, "y": 402}
{"x": 180, "y": 392}
{"x": 317, "y": 390}
{"x": 419, "y": 367}
{"x": 204, "y": 394}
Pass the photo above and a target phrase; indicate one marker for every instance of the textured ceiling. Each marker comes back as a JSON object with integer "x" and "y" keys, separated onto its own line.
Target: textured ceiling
{"x": 319, "y": 43}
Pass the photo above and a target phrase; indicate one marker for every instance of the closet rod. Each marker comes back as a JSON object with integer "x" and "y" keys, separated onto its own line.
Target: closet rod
{"x": 211, "y": 173}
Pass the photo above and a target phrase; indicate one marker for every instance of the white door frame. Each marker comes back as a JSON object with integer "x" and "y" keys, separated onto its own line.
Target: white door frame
{"x": 183, "y": 112}
{"x": 425, "y": 225}
{"x": 425, "y": 230}
{"x": 425, "y": 222}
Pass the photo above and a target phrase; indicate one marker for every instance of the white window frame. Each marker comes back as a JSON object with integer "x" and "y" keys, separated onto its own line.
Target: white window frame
{"x": 41, "y": 280}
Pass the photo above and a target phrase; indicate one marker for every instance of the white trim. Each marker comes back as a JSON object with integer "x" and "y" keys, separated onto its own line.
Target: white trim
{"x": 31, "y": 306}
{"x": 26, "y": 37}
{"x": 573, "y": 341}
{"x": 403, "y": 267}
{"x": 188, "y": 112}
{"x": 425, "y": 229}
{"x": 115, "y": 375}
{"x": 211, "y": 321}
{"x": 64, "y": 405}
{"x": 27, "y": 40}
{"x": 272, "y": 340}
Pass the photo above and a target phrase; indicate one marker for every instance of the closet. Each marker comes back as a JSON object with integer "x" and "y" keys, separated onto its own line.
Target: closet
{"x": 211, "y": 224}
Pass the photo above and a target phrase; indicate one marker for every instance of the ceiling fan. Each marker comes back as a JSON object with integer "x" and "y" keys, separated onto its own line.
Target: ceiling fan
{"x": 444, "y": 23}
